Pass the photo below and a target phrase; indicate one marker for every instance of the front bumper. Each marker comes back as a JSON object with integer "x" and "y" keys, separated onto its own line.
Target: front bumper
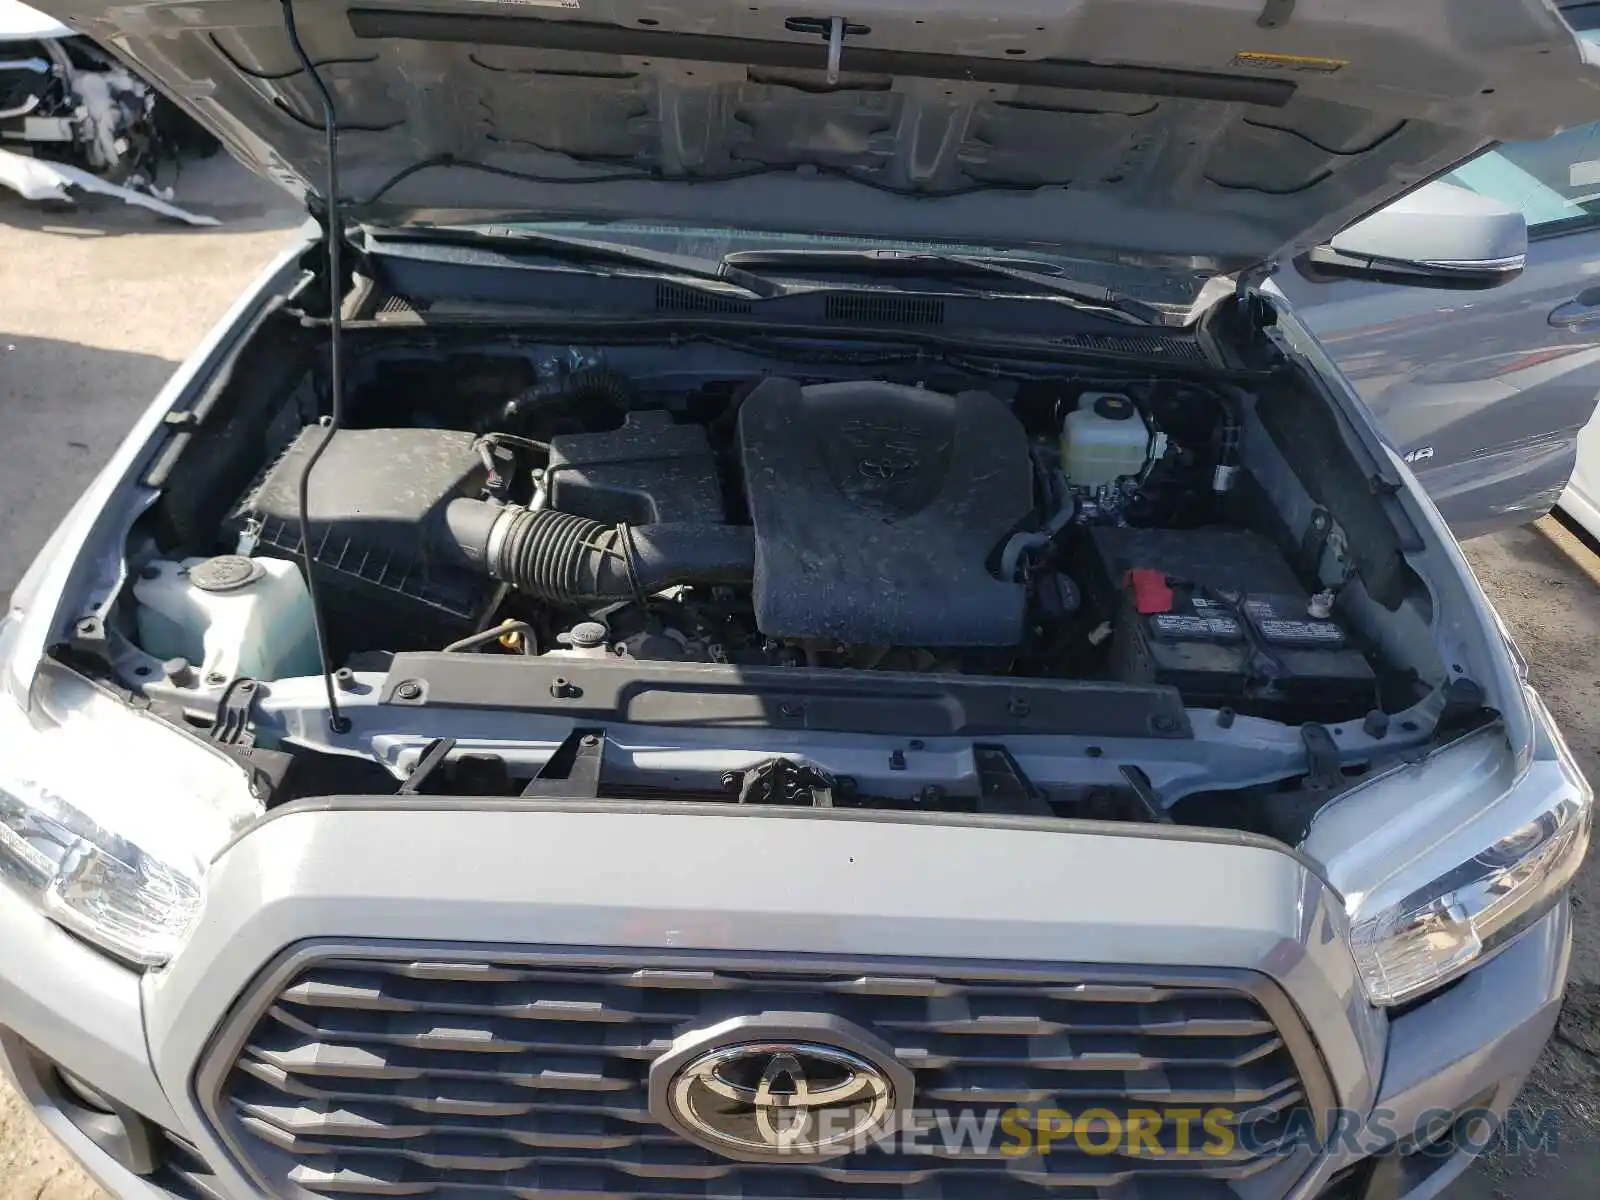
{"x": 662, "y": 881}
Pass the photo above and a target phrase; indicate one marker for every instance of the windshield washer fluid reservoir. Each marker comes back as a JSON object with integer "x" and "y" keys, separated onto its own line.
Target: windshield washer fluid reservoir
{"x": 230, "y": 616}
{"x": 1103, "y": 439}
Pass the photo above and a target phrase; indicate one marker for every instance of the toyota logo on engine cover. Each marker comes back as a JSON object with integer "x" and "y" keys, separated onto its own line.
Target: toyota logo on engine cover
{"x": 774, "y": 1092}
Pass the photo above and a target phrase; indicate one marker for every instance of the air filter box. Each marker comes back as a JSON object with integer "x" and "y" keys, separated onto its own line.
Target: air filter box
{"x": 377, "y": 498}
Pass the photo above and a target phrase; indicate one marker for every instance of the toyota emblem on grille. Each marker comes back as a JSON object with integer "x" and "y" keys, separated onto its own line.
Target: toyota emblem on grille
{"x": 812, "y": 1086}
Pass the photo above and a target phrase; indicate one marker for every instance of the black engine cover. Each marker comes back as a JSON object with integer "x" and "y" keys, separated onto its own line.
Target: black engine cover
{"x": 876, "y": 509}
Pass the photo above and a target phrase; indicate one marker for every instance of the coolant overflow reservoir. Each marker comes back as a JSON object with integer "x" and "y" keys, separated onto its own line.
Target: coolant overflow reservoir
{"x": 1103, "y": 439}
{"x": 229, "y": 616}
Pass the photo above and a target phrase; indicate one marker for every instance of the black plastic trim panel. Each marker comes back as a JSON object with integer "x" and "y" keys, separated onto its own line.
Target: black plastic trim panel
{"x": 904, "y": 705}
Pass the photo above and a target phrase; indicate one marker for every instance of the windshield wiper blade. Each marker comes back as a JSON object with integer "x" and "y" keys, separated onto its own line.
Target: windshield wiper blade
{"x": 586, "y": 250}
{"x": 1085, "y": 295}
{"x": 1093, "y": 294}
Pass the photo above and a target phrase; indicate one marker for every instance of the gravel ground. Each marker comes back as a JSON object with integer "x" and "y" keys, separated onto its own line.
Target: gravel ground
{"x": 1545, "y": 581}
{"x": 100, "y": 305}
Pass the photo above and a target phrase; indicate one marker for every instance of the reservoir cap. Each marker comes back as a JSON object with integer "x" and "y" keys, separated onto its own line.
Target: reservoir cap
{"x": 1113, "y": 408}
{"x": 225, "y": 573}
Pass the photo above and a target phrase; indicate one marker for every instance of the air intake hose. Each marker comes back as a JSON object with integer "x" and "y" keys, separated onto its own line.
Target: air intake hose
{"x": 568, "y": 559}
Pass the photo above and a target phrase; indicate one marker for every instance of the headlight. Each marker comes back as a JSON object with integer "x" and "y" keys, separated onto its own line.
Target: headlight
{"x": 1443, "y": 928}
{"x": 1444, "y": 861}
{"x": 108, "y": 816}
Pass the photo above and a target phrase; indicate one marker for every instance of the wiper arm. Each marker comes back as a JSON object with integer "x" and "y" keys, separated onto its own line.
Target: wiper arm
{"x": 1083, "y": 295}
{"x": 584, "y": 250}
{"x": 1091, "y": 294}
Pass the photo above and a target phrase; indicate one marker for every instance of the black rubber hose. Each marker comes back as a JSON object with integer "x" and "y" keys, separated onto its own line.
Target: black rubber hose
{"x": 600, "y": 385}
{"x": 567, "y": 559}
{"x": 586, "y": 391}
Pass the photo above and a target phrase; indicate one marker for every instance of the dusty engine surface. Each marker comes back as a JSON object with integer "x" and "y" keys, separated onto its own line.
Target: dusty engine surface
{"x": 876, "y": 509}
{"x": 1065, "y": 530}
{"x": 375, "y": 508}
{"x": 650, "y": 470}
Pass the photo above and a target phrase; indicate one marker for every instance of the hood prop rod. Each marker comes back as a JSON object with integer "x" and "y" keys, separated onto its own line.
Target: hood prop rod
{"x": 337, "y": 721}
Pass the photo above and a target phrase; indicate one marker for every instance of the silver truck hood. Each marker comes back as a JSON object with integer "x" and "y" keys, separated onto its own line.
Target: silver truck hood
{"x": 1206, "y": 133}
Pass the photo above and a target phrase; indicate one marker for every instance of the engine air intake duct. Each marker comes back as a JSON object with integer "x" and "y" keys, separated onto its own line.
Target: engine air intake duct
{"x": 568, "y": 559}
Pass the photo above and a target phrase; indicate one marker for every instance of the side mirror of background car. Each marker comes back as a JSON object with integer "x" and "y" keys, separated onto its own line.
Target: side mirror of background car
{"x": 1439, "y": 236}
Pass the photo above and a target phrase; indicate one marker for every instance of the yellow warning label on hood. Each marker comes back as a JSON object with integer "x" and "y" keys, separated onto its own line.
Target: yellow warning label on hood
{"x": 1264, "y": 61}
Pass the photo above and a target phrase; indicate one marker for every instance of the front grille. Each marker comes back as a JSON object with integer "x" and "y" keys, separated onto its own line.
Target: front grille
{"x": 506, "y": 1076}
{"x": 182, "y": 1172}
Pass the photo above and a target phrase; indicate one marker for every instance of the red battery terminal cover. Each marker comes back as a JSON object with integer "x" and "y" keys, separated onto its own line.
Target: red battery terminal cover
{"x": 1151, "y": 593}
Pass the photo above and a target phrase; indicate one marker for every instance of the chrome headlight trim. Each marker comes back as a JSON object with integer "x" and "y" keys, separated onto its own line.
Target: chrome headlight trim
{"x": 108, "y": 816}
{"x": 1443, "y": 861}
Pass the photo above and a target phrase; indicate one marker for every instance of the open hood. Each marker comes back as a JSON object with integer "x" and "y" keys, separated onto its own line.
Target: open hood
{"x": 1202, "y": 133}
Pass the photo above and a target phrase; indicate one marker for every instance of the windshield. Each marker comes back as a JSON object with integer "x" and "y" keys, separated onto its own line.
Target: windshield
{"x": 1165, "y": 285}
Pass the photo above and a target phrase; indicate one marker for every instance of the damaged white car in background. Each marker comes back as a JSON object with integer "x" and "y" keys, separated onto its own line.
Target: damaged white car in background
{"x": 72, "y": 118}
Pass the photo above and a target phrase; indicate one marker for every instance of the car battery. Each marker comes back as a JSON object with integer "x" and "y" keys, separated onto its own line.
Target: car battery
{"x": 1220, "y": 615}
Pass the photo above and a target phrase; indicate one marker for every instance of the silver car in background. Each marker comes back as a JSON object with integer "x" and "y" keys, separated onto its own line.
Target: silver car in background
{"x": 1485, "y": 393}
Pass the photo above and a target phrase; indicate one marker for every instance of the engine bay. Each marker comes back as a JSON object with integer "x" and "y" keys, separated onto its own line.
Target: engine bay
{"x": 638, "y": 505}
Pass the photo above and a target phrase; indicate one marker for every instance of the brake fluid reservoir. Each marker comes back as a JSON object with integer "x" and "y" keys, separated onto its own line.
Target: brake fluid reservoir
{"x": 230, "y": 616}
{"x": 1103, "y": 439}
